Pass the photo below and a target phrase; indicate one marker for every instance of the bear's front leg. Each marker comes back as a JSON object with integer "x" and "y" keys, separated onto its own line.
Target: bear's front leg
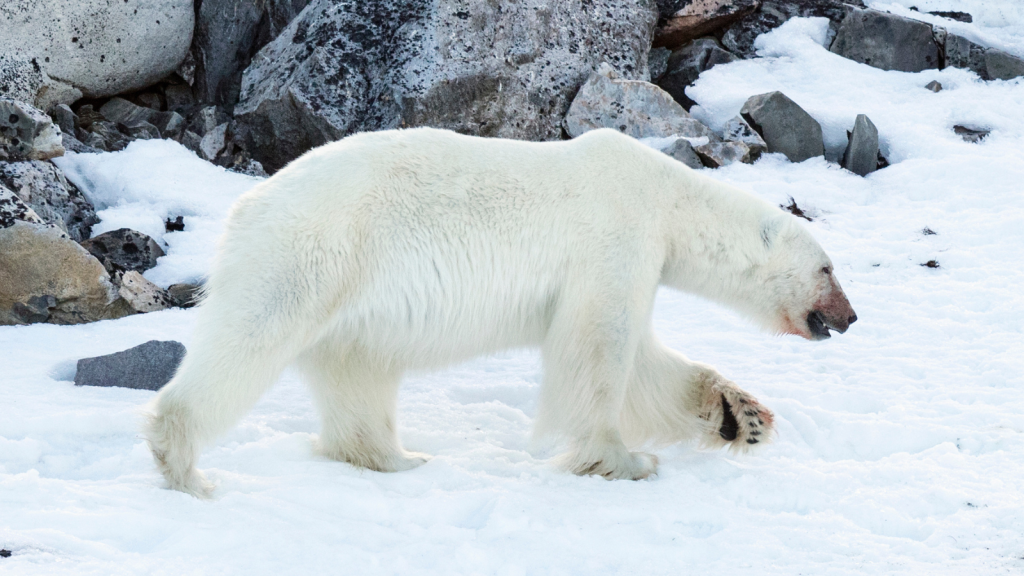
{"x": 587, "y": 361}
{"x": 737, "y": 418}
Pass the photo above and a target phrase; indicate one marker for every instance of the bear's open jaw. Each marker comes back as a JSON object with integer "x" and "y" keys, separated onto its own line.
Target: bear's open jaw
{"x": 817, "y": 326}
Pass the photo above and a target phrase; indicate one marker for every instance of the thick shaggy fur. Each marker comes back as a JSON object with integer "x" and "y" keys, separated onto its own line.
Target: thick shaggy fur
{"x": 407, "y": 249}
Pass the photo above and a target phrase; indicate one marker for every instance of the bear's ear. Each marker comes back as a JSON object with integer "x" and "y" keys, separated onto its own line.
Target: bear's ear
{"x": 770, "y": 228}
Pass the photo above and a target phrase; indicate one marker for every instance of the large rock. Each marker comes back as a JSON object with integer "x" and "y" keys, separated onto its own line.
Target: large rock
{"x": 228, "y": 34}
{"x": 100, "y": 47}
{"x": 47, "y": 277}
{"x": 145, "y": 367}
{"x": 784, "y": 126}
{"x": 635, "y": 108}
{"x": 683, "y": 151}
{"x": 26, "y": 133}
{"x": 123, "y": 250}
{"x": 686, "y": 64}
{"x": 739, "y": 36}
{"x": 13, "y": 209}
{"x": 43, "y": 186}
{"x": 23, "y": 79}
{"x": 861, "y": 155}
{"x": 887, "y": 41}
{"x": 485, "y": 68}
{"x": 699, "y": 17}
{"x": 989, "y": 63}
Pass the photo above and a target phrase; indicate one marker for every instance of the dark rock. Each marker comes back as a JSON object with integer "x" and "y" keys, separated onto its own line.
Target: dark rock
{"x": 501, "y": 69}
{"x": 861, "y": 155}
{"x": 185, "y": 295}
{"x": 43, "y": 187}
{"x": 206, "y": 119}
{"x": 139, "y": 130}
{"x": 784, "y": 126}
{"x": 150, "y": 100}
{"x": 737, "y": 130}
{"x": 121, "y": 111}
{"x": 123, "y": 250}
{"x": 5, "y": 553}
{"x": 147, "y": 366}
{"x": 228, "y": 34}
{"x": 686, "y": 64}
{"x": 1002, "y": 66}
{"x": 883, "y": 162}
{"x": 170, "y": 124}
{"x": 717, "y": 152}
{"x": 87, "y": 114}
{"x": 95, "y": 141}
{"x": 962, "y": 53}
{"x": 26, "y": 133}
{"x": 934, "y": 86}
{"x": 953, "y": 15}
{"x": 739, "y": 37}
{"x": 657, "y": 61}
{"x": 635, "y": 108}
{"x": 700, "y": 17}
{"x": 65, "y": 118}
{"x": 683, "y": 151}
{"x": 177, "y": 225}
{"x": 179, "y": 98}
{"x": 112, "y": 138}
{"x": 887, "y": 41}
{"x": 971, "y": 135}
{"x": 191, "y": 140}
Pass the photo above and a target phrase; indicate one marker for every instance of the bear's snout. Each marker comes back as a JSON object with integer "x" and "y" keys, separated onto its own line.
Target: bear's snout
{"x": 833, "y": 312}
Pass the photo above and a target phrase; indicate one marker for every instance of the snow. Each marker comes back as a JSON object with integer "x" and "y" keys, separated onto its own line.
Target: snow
{"x": 900, "y": 445}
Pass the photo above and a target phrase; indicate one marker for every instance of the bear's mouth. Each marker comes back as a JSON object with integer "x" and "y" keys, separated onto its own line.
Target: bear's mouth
{"x": 818, "y": 326}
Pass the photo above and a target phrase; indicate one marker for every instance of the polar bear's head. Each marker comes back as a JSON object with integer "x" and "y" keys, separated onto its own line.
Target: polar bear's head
{"x": 799, "y": 291}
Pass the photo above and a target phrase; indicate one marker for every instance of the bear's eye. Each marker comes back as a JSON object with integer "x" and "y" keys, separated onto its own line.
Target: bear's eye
{"x": 826, "y": 271}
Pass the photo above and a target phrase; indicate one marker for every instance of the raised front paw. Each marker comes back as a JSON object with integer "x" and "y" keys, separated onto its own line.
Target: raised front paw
{"x": 742, "y": 422}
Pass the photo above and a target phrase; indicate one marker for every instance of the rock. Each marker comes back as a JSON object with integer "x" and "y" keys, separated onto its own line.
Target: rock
{"x": 139, "y": 130}
{"x": 50, "y": 278}
{"x": 72, "y": 144}
{"x": 43, "y": 187}
{"x": 206, "y": 119}
{"x": 147, "y": 366}
{"x": 657, "y": 61}
{"x": 739, "y": 36}
{"x": 123, "y": 250}
{"x": 962, "y": 53}
{"x": 700, "y": 17}
{"x": 228, "y": 34}
{"x": 170, "y": 124}
{"x": 179, "y": 98}
{"x": 502, "y": 69}
{"x": 65, "y": 118}
{"x": 87, "y": 115}
{"x": 952, "y": 15}
{"x": 717, "y": 152}
{"x": 972, "y": 135}
{"x": 111, "y": 139}
{"x": 26, "y": 133}
{"x": 150, "y": 100}
{"x": 99, "y": 47}
{"x": 176, "y": 225}
{"x": 120, "y": 111}
{"x": 784, "y": 126}
{"x": 141, "y": 294}
{"x": 13, "y": 209}
{"x": 683, "y": 151}
{"x": 934, "y": 86}
{"x": 635, "y": 108}
{"x": 23, "y": 79}
{"x": 1002, "y": 66}
{"x": 687, "y": 62}
{"x": 213, "y": 143}
{"x": 861, "y": 155}
{"x": 191, "y": 140}
{"x": 95, "y": 141}
{"x": 887, "y": 41}
{"x": 737, "y": 130}
{"x": 185, "y": 295}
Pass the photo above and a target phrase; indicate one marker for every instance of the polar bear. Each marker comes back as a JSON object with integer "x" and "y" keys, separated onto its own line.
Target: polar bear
{"x": 419, "y": 248}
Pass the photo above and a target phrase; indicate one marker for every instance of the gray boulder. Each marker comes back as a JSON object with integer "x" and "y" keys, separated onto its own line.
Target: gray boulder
{"x": 784, "y": 126}
{"x": 98, "y": 47}
{"x": 686, "y": 64}
{"x": 988, "y": 63}
{"x": 717, "y": 152}
{"x": 657, "y": 62}
{"x": 1002, "y": 66}
{"x": 43, "y": 187}
{"x": 228, "y": 34}
{"x": 635, "y": 108}
{"x": 887, "y": 41}
{"x": 65, "y": 118}
{"x": 699, "y": 17}
{"x": 22, "y": 79}
{"x": 123, "y": 250}
{"x": 50, "y": 278}
{"x": 13, "y": 209}
{"x": 147, "y": 366}
{"x": 683, "y": 151}
{"x": 739, "y": 36}
{"x": 485, "y": 68}
{"x": 737, "y": 130}
{"x": 934, "y": 86}
{"x": 861, "y": 155}
{"x": 26, "y": 133}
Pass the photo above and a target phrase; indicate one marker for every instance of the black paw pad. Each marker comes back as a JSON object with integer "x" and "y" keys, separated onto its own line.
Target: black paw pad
{"x": 730, "y": 427}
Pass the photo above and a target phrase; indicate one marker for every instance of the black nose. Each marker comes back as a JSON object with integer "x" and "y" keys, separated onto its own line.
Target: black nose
{"x": 852, "y": 319}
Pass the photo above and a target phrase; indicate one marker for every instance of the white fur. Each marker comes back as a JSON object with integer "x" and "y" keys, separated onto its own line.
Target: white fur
{"x": 419, "y": 248}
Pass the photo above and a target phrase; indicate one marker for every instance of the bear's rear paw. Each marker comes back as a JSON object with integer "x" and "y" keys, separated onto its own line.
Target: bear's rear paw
{"x": 742, "y": 422}
{"x": 405, "y": 461}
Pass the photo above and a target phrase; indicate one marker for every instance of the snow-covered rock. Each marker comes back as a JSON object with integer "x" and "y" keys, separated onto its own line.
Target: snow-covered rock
{"x": 98, "y": 47}
{"x": 739, "y": 36}
{"x": 486, "y": 68}
{"x": 887, "y": 41}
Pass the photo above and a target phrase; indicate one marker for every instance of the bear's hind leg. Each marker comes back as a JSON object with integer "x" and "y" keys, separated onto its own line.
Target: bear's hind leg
{"x": 357, "y": 396}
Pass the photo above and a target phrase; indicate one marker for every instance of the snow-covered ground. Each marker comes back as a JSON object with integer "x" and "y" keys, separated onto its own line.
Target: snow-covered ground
{"x": 900, "y": 445}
